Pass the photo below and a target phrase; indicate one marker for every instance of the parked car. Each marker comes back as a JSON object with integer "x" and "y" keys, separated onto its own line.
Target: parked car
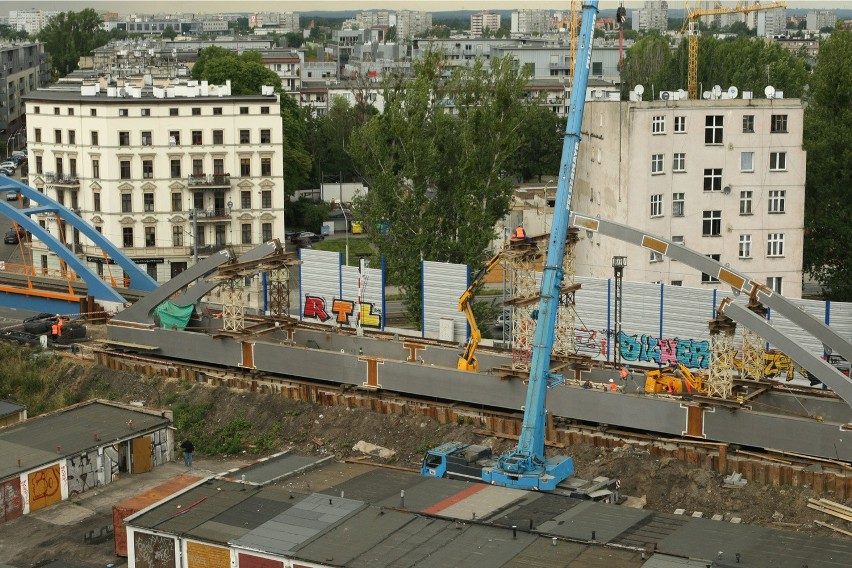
{"x": 13, "y": 237}
{"x": 7, "y": 171}
{"x": 11, "y": 196}
{"x": 306, "y": 236}
{"x": 8, "y": 164}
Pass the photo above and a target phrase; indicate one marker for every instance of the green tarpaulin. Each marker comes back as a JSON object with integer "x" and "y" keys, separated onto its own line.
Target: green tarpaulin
{"x": 172, "y": 316}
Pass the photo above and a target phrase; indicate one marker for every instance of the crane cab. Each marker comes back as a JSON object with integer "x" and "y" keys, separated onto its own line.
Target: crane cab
{"x": 457, "y": 461}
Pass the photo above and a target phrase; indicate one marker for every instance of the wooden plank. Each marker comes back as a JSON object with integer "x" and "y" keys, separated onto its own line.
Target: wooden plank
{"x": 828, "y": 511}
{"x": 832, "y": 527}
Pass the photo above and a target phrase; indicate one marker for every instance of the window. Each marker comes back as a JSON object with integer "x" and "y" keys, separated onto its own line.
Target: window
{"x": 218, "y": 137}
{"x": 657, "y": 205}
{"x": 713, "y": 129}
{"x": 778, "y": 123}
{"x": 147, "y": 139}
{"x": 146, "y": 112}
{"x": 745, "y": 202}
{"x": 197, "y": 167}
{"x": 264, "y": 110}
{"x": 245, "y": 199}
{"x": 38, "y": 165}
{"x": 60, "y": 196}
{"x": 177, "y": 202}
{"x": 147, "y": 169}
{"x": 127, "y": 236}
{"x": 72, "y": 136}
{"x": 57, "y": 136}
{"x": 748, "y": 123}
{"x": 96, "y": 169}
{"x": 266, "y": 232}
{"x": 150, "y": 237}
{"x": 93, "y": 112}
{"x": 678, "y": 240}
{"x": 174, "y": 137}
{"x": 72, "y": 167}
{"x": 55, "y": 110}
{"x": 123, "y": 112}
{"x": 774, "y": 283}
{"x": 657, "y": 164}
{"x": 656, "y": 256}
{"x": 775, "y": 244}
{"x": 679, "y": 124}
{"x": 266, "y": 199}
{"x": 37, "y": 110}
{"x": 677, "y": 204}
{"x": 265, "y": 136}
{"x": 658, "y": 125}
{"x": 777, "y": 161}
{"x": 60, "y": 170}
{"x": 266, "y": 166}
{"x": 707, "y": 277}
{"x": 124, "y": 139}
{"x": 70, "y": 111}
{"x": 124, "y": 167}
{"x": 677, "y": 282}
{"x": 38, "y": 134}
{"x": 776, "y": 200}
{"x": 746, "y": 161}
{"x": 196, "y": 111}
{"x": 175, "y": 168}
{"x": 96, "y": 206}
{"x": 712, "y": 224}
{"x": 218, "y": 167}
{"x": 243, "y": 110}
{"x": 126, "y": 203}
{"x": 745, "y": 246}
{"x": 217, "y": 111}
{"x": 245, "y": 229}
{"x": 245, "y": 167}
{"x": 148, "y": 202}
{"x": 712, "y": 179}
{"x": 177, "y": 235}
{"x": 94, "y": 138}
{"x": 245, "y": 138}
{"x": 679, "y": 162}
{"x": 173, "y": 112}
{"x": 198, "y": 200}
{"x": 196, "y": 138}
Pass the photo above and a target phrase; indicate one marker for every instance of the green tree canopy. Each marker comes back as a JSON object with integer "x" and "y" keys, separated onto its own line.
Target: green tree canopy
{"x": 828, "y": 141}
{"x": 297, "y": 161}
{"x": 645, "y": 61}
{"x": 246, "y": 71}
{"x": 435, "y": 162}
{"x": 542, "y": 141}
{"x": 169, "y": 32}
{"x": 71, "y": 35}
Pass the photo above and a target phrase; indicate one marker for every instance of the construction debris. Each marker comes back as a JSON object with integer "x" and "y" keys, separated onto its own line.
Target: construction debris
{"x": 734, "y": 481}
{"x": 373, "y": 450}
{"x": 831, "y": 508}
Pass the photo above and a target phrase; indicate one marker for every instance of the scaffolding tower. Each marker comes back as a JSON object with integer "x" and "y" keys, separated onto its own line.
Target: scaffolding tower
{"x": 753, "y": 351}
{"x": 565, "y": 336}
{"x": 720, "y": 379}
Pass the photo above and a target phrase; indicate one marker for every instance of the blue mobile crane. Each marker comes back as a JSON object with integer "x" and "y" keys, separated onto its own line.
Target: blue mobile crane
{"x": 527, "y": 467}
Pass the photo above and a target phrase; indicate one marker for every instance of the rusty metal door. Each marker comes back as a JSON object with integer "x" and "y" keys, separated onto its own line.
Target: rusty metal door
{"x": 694, "y": 422}
{"x": 11, "y": 504}
{"x": 141, "y": 451}
{"x": 45, "y": 487}
{"x": 248, "y": 355}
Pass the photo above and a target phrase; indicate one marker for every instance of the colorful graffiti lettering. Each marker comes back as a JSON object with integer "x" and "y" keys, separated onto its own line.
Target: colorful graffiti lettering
{"x": 645, "y": 348}
{"x": 342, "y": 310}
{"x": 44, "y": 487}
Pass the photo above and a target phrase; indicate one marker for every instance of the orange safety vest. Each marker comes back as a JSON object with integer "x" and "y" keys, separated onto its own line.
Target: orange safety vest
{"x": 613, "y": 387}
{"x": 54, "y": 329}
{"x": 520, "y": 233}
{"x": 624, "y": 373}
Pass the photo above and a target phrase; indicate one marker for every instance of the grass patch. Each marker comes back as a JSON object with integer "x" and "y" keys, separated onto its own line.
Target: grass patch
{"x": 357, "y": 246}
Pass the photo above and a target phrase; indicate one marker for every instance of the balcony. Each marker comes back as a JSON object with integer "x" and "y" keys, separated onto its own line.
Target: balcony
{"x": 64, "y": 180}
{"x": 217, "y": 215}
{"x": 219, "y": 182}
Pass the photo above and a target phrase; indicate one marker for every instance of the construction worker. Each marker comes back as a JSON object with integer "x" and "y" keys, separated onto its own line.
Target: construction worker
{"x": 612, "y": 386}
{"x": 520, "y": 235}
{"x": 57, "y": 327}
{"x": 624, "y": 373}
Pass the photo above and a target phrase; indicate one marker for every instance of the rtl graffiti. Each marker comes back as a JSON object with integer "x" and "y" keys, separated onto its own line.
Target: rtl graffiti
{"x": 342, "y": 311}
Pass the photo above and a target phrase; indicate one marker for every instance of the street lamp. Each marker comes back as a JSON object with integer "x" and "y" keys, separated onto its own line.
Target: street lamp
{"x": 346, "y": 219}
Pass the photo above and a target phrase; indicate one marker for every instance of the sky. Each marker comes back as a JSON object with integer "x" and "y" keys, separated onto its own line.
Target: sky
{"x": 213, "y": 6}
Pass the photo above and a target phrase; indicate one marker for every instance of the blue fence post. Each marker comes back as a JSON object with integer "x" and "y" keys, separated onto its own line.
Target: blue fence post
{"x": 609, "y": 318}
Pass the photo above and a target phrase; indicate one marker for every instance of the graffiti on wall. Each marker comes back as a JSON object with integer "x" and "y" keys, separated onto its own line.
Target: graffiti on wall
{"x": 648, "y": 349}
{"x": 342, "y": 311}
{"x": 45, "y": 487}
{"x": 82, "y": 473}
{"x": 153, "y": 551}
{"x": 11, "y": 503}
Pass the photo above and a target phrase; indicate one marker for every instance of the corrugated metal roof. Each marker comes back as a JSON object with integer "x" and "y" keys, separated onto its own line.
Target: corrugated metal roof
{"x": 46, "y": 439}
{"x": 299, "y": 523}
{"x": 606, "y": 521}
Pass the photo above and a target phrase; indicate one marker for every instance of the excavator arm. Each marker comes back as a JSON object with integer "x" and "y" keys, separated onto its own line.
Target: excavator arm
{"x": 468, "y": 361}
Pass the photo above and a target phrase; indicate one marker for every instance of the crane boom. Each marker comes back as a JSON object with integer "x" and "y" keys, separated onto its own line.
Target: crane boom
{"x": 527, "y": 467}
{"x": 468, "y": 360}
{"x": 690, "y": 27}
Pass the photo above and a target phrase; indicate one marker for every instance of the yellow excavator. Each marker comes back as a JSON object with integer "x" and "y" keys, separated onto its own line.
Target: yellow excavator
{"x": 674, "y": 380}
{"x": 467, "y": 360}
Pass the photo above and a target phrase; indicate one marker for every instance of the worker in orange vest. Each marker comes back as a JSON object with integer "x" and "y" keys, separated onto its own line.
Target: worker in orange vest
{"x": 612, "y": 386}
{"x": 520, "y": 235}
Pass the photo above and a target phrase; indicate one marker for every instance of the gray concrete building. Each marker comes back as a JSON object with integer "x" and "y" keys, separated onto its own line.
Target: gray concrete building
{"x": 23, "y": 69}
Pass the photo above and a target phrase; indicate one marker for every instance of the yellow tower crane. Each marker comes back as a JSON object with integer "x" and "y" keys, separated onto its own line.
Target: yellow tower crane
{"x": 690, "y": 27}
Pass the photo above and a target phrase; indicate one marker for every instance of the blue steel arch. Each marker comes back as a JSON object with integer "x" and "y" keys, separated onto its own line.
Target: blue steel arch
{"x": 139, "y": 279}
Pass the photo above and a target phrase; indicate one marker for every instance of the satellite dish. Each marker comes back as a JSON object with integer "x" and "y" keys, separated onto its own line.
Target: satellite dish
{"x": 769, "y": 91}
{"x": 726, "y": 190}
{"x": 681, "y": 95}
{"x": 639, "y": 89}
{"x": 733, "y": 92}
{"x": 717, "y": 91}
{"x": 705, "y": 95}
{"x": 665, "y": 95}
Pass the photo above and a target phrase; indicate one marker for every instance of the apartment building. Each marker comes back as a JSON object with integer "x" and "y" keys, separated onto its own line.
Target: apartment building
{"x": 30, "y": 21}
{"x": 167, "y": 174}
{"x": 481, "y": 21}
{"x": 531, "y": 22}
{"x": 771, "y": 22}
{"x": 23, "y": 68}
{"x": 653, "y": 16}
{"x": 409, "y": 23}
{"x": 819, "y": 19}
{"x": 724, "y": 177}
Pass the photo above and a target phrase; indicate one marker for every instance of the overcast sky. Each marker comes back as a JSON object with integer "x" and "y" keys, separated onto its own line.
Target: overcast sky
{"x": 212, "y": 6}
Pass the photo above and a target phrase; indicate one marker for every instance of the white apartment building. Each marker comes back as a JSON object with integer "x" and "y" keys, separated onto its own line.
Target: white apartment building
{"x": 653, "y": 16}
{"x": 30, "y": 21}
{"x": 409, "y": 23}
{"x": 531, "y": 22}
{"x": 772, "y": 22}
{"x": 818, "y": 19}
{"x": 723, "y": 177}
{"x": 163, "y": 173}
{"x": 482, "y": 21}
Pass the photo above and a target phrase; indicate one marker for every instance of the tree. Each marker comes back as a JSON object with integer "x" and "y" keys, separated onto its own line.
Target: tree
{"x": 644, "y": 62}
{"x": 71, "y": 35}
{"x": 246, "y": 71}
{"x": 438, "y": 180}
{"x": 828, "y": 141}
{"x": 169, "y": 33}
{"x": 294, "y": 39}
{"x": 391, "y": 35}
{"x": 297, "y": 160}
{"x": 541, "y": 146}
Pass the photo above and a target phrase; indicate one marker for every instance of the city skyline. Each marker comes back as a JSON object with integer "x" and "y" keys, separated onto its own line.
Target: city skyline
{"x": 216, "y": 6}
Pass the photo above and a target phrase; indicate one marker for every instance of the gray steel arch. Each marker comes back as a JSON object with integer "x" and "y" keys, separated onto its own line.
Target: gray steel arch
{"x": 139, "y": 279}
{"x": 739, "y": 283}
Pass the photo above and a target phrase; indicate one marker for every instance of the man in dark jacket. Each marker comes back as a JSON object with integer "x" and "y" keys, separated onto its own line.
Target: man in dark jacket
{"x": 187, "y": 448}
